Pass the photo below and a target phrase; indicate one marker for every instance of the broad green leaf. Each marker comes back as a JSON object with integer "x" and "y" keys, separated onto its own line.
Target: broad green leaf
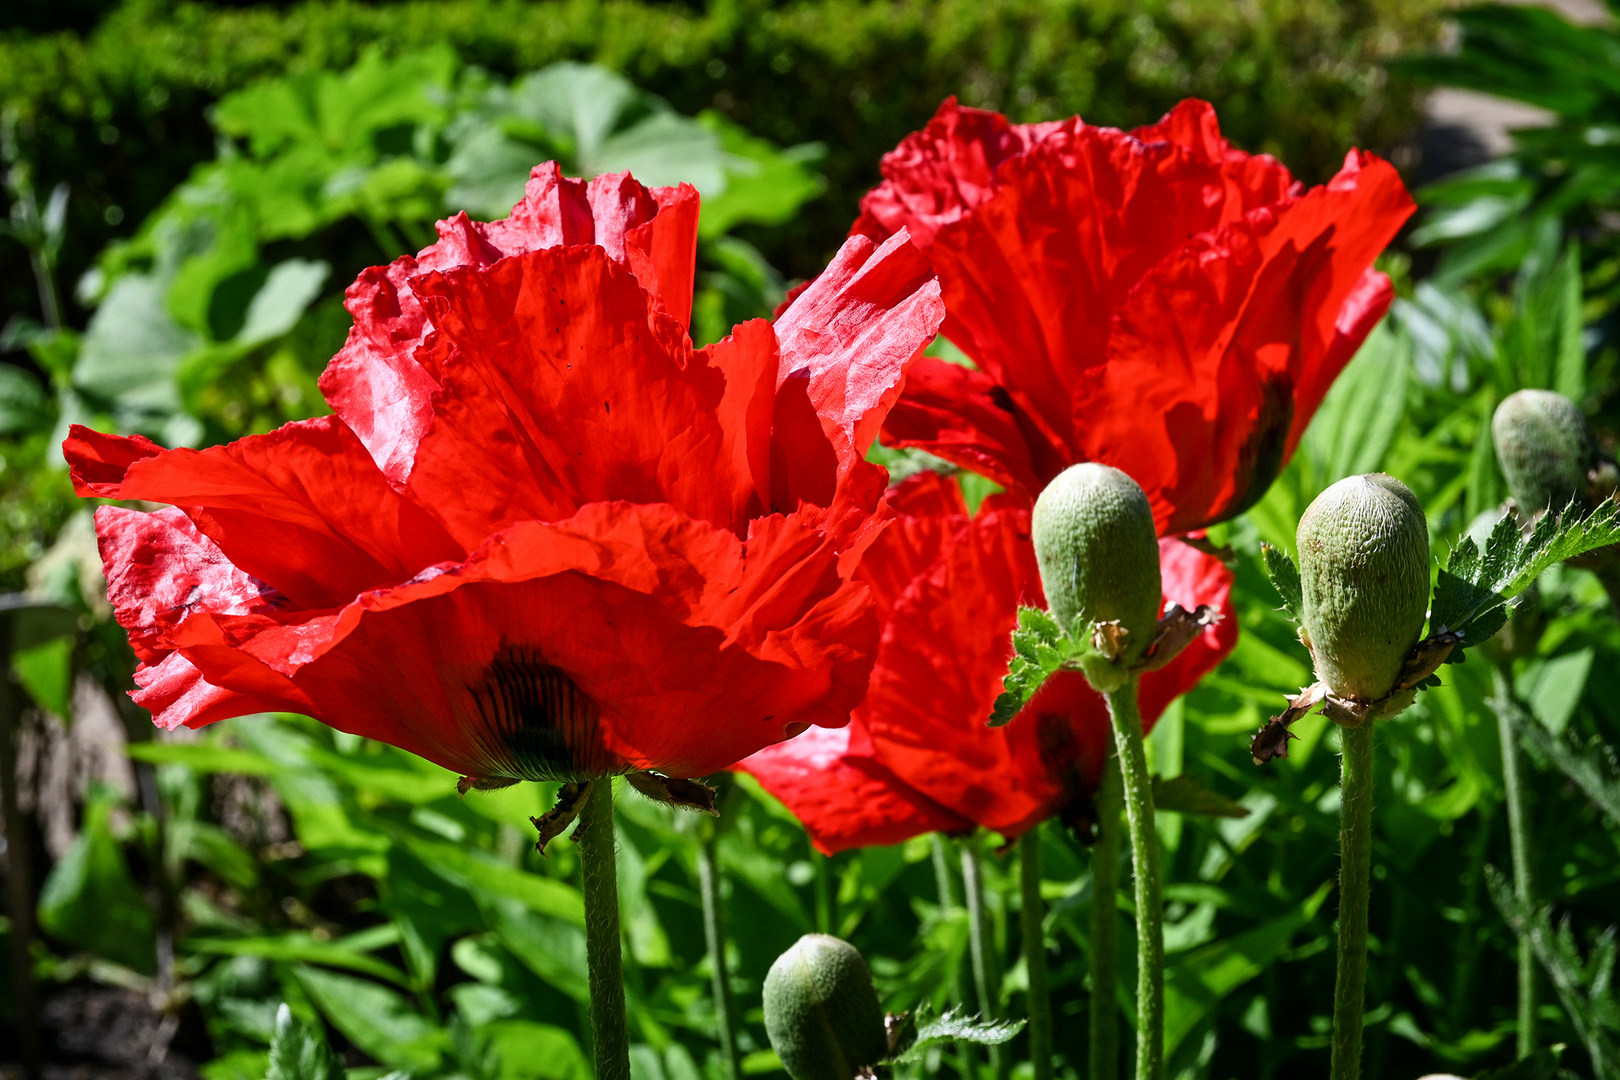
{"x": 764, "y": 185}
{"x": 1200, "y": 980}
{"x": 24, "y": 406}
{"x": 287, "y": 292}
{"x": 46, "y": 672}
{"x": 296, "y": 1053}
{"x": 203, "y": 757}
{"x": 1352, "y": 430}
{"x": 91, "y": 902}
{"x": 530, "y": 1051}
{"x": 1284, "y": 577}
{"x": 378, "y": 1020}
{"x": 486, "y": 875}
{"x": 1186, "y": 795}
{"x": 299, "y": 947}
{"x": 1553, "y": 687}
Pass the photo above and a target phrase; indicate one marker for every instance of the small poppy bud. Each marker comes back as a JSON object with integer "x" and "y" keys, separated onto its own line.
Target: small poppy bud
{"x": 821, "y": 1012}
{"x": 1364, "y": 569}
{"x": 1545, "y": 447}
{"x": 1099, "y": 553}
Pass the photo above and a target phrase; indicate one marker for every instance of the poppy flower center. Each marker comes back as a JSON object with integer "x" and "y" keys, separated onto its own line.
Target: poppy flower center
{"x": 545, "y": 727}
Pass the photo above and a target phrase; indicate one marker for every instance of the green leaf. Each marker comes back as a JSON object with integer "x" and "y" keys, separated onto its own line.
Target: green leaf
{"x": 203, "y": 757}
{"x": 23, "y": 404}
{"x": 299, "y": 948}
{"x": 380, "y": 1021}
{"x": 46, "y": 672}
{"x": 1040, "y": 647}
{"x": 954, "y": 1026}
{"x": 1198, "y": 981}
{"x": 91, "y": 902}
{"x": 1185, "y": 795}
{"x": 1284, "y": 577}
{"x": 1586, "y": 767}
{"x": 532, "y": 1051}
{"x": 1583, "y": 986}
{"x": 1473, "y": 592}
{"x": 296, "y": 1053}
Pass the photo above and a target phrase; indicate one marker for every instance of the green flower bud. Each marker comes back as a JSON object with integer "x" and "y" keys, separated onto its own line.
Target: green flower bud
{"x": 1099, "y": 552}
{"x": 1364, "y": 570}
{"x": 821, "y": 1012}
{"x": 1545, "y": 447}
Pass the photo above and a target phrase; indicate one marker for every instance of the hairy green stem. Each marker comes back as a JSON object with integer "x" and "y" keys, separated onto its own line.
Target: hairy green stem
{"x": 1138, "y": 789}
{"x": 1524, "y": 886}
{"x": 1355, "y": 890}
{"x": 1032, "y": 918}
{"x": 610, "y": 1036}
{"x": 1105, "y": 926}
{"x": 714, "y": 936}
{"x": 982, "y": 948}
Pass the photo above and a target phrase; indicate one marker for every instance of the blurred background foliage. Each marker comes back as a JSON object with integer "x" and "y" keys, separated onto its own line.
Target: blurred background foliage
{"x": 191, "y": 186}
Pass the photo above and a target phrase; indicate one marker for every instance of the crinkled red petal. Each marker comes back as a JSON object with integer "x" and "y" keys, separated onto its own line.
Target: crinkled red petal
{"x": 303, "y": 508}
{"x": 636, "y": 606}
{"x": 845, "y": 797}
{"x": 375, "y": 382}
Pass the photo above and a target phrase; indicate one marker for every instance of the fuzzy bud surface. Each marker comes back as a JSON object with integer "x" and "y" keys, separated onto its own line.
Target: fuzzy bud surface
{"x": 1364, "y": 571}
{"x": 1098, "y": 552}
{"x": 1545, "y": 447}
{"x": 821, "y": 1012}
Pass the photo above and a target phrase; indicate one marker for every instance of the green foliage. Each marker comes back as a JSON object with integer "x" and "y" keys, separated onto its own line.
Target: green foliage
{"x": 297, "y": 1053}
{"x": 1040, "y": 648}
{"x": 1584, "y": 984}
{"x": 90, "y": 901}
{"x": 955, "y": 1026}
{"x": 1474, "y": 588}
{"x": 1284, "y": 577}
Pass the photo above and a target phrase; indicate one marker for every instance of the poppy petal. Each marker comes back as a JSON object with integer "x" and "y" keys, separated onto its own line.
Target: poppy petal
{"x": 845, "y": 797}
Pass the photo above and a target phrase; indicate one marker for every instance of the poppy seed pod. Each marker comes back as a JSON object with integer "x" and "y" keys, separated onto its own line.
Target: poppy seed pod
{"x": 821, "y": 1012}
{"x": 1364, "y": 569}
{"x": 1545, "y": 447}
{"x": 1098, "y": 552}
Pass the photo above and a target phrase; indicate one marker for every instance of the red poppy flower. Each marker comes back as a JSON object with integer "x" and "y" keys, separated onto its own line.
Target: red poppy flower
{"x": 1153, "y": 300}
{"x": 545, "y": 537}
{"x": 918, "y": 756}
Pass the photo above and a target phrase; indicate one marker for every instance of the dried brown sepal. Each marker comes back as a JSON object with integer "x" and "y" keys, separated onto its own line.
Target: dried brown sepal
{"x": 1176, "y": 630}
{"x": 1426, "y": 657}
{"x": 570, "y": 800}
{"x": 901, "y": 1030}
{"x": 687, "y": 794}
{"x": 1109, "y": 639}
{"x": 1271, "y": 741}
{"x": 482, "y": 783}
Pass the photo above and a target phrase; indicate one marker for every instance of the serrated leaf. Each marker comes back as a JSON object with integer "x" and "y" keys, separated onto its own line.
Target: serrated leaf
{"x": 1284, "y": 577}
{"x": 953, "y": 1026}
{"x": 299, "y": 1054}
{"x": 1185, "y": 795}
{"x": 1040, "y": 647}
{"x": 1475, "y": 588}
{"x": 1585, "y": 767}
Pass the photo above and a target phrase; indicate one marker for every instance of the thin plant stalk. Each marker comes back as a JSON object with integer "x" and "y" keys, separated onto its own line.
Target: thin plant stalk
{"x": 1524, "y": 886}
{"x": 1355, "y": 890}
{"x": 985, "y": 980}
{"x": 946, "y": 887}
{"x": 715, "y": 938}
{"x": 1104, "y": 1061}
{"x": 610, "y": 1036}
{"x": 1138, "y": 790}
{"x": 1032, "y": 917}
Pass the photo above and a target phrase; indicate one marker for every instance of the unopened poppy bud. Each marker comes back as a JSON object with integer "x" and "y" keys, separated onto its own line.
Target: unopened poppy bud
{"x": 821, "y": 1012}
{"x": 1545, "y": 447}
{"x": 1364, "y": 569}
{"x": 1099, "y": 553}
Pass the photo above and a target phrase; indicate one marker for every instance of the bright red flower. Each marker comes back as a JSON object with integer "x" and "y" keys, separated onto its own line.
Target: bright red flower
{"x": 544, "y": 537}
{"x": 1153, "y": 300}
{"x": 918, "y": 756}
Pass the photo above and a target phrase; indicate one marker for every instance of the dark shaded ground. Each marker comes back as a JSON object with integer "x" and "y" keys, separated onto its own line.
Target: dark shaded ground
{"x": 106, "y": 1033}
